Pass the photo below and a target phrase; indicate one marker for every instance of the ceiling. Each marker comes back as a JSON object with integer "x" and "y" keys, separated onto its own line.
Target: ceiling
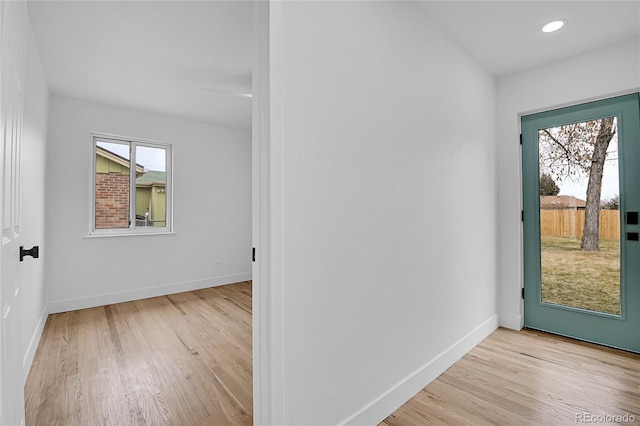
{"x": 150, "y": 55}
{"x": 158, "y": 56}
{"x": 505, "y": 36}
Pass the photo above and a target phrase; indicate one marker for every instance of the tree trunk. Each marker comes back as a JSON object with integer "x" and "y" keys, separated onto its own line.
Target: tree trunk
{"x": 590, "y": 235}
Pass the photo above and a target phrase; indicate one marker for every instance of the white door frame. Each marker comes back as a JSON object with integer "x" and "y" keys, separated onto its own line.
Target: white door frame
{"x": 268, "y": 398}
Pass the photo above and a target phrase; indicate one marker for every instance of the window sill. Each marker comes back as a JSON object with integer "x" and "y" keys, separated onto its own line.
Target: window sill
{"x": 130, "y": 234}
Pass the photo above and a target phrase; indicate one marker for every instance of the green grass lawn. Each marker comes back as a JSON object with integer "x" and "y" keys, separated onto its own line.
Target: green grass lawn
{"x": 581, "y": 279}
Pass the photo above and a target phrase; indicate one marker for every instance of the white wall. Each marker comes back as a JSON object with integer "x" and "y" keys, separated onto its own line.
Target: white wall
{"x": 602, "y": 73}
{"x": 384, "y": 161}
{"x": 212, "y": 210}
{"x": 33, "y": 295}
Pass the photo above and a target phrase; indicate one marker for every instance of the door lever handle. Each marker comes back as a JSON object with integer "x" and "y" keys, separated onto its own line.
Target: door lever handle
{"x": 33, "y": 252}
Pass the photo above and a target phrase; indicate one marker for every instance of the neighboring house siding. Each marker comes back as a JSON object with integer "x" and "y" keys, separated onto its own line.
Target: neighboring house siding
{"x": 143, "y": 200}
{"x": 561, "y": 202}
{"x": 104, "y": 165}
{"x": 112, "y": 200}
{"x": 151, "y": 197}
{"x": 158, "y": 204}
{"x": 112, "y": 193}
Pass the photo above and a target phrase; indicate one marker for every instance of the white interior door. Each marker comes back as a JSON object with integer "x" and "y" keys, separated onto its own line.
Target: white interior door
{"x": 11, "y": 106}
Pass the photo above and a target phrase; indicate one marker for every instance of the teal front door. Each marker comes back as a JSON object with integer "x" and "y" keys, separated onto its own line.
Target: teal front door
{"x": 581, "y": 197}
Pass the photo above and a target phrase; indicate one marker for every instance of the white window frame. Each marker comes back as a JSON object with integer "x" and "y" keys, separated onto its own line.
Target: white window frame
{"x": 132, "y": 229}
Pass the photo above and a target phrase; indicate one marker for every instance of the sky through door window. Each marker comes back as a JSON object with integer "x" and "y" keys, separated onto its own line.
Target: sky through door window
{"x": 131, "y": 186}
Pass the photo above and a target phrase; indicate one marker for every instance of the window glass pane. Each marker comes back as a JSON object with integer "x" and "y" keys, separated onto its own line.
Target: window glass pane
{"x": 580, "y": 216}
{"x": 112, "y": 185}
{"x": 151, "y": 186}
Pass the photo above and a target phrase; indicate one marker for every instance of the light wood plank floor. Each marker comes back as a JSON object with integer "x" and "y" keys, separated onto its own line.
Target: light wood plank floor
{"x": 185, "y": 359}
{"x": 529, "y": 378}
{"x": 182, "y": 359}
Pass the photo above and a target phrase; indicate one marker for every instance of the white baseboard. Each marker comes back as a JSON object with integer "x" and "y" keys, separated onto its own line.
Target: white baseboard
{"x": 56, "y": 306}
{"x": 378, "y": 409}
{"x": 514, "y": 323}
{"x": 30, "y": 353}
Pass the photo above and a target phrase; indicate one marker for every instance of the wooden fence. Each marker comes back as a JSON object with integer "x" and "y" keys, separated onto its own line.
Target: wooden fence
{"x": 570, "y": 223}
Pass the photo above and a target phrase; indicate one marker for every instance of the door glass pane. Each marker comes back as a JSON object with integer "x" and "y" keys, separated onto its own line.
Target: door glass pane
{"x": 580, "y": 216}
{"x": 151, "y": 186}
{"x": 112, "y": 185}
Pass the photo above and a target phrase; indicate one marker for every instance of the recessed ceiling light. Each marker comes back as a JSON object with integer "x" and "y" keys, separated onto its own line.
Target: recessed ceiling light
{"x": 553, "y": 26}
